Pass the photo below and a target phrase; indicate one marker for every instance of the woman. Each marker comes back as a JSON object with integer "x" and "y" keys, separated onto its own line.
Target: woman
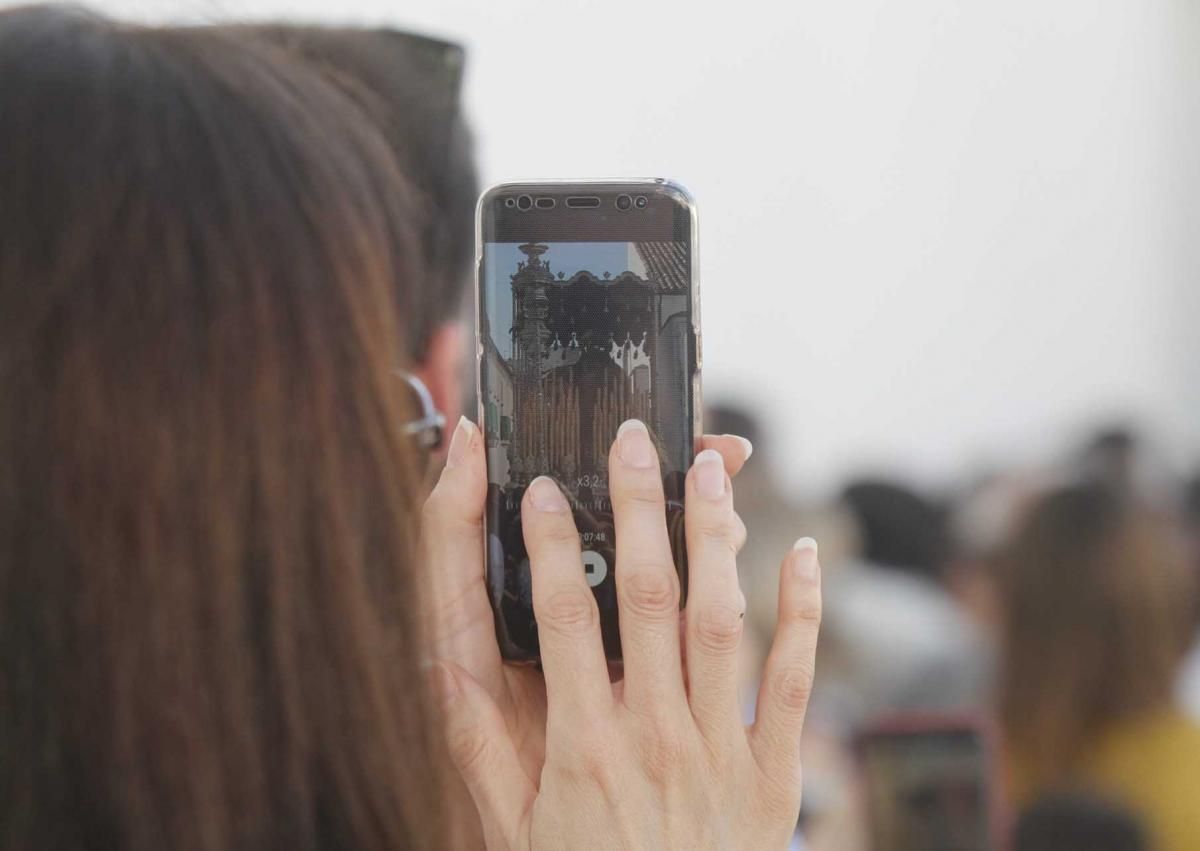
{"x": 209, "y": 599}
{"x": 1095, "y": 602}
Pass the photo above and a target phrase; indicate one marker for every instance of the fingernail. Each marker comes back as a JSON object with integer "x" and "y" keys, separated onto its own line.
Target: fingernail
{"x": 746, "y": 444}
{"x": 443, "y": 682}
{"x": 710, "y": 474}
{"x": 460, "y": 443}
{"x": 633, "y": 445}
{"x": 545, "y": 495}
{"x": 806, "y": 564}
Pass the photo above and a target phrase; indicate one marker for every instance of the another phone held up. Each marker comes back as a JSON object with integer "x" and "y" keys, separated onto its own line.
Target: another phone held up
{"x": 588, "y": 315}
{"x": 928, "y": 783}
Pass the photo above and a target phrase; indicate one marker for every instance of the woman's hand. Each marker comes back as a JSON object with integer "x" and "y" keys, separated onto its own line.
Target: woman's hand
{"x": 462, "y": 628}
{"x": 649, "y": 763}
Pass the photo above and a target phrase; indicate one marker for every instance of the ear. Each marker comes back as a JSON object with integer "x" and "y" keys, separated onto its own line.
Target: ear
{"x": 441, "y": 369}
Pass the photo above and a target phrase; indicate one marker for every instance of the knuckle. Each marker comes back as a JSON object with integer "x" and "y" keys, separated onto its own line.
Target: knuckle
{"x": 568, "y": 610}
{"x": 807, "y": 613}
{"x": 651, "y": 591}
{"x": 739, "y": 535}
{"x": 641, "y": 497}
{"x": 780, "y": 794}
{"x": 588, "y": 757}
{"x": 792, "y": 686}
{"x": 593, "y": 756}
{"x": 719, "y": 628}
{"x": 664, "y": 749}
{"x": 722, "y": 531}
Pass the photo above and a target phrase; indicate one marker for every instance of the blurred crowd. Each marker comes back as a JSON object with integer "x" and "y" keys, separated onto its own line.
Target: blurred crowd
{"x": 1054, "y": 613}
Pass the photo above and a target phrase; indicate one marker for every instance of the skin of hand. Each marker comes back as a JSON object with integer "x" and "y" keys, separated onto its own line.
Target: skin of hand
{"x": 462, "y": 629}
{"x": 661, "y": 759}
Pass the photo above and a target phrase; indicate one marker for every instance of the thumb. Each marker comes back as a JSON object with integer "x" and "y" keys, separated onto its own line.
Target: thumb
{"x": 483, "y": 752}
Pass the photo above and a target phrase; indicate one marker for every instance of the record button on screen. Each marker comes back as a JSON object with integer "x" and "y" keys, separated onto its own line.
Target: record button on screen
{"x": 595, "y": 568}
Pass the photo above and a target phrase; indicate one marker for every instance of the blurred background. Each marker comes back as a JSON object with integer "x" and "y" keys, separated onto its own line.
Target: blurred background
{"x": 934, "y": 235}
{"x": 950, "y": 283}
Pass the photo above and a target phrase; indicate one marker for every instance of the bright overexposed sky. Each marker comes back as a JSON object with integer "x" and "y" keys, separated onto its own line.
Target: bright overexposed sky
{"x": 934, "y": 234}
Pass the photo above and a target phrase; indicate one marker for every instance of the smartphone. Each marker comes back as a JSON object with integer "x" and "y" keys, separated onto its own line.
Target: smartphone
{"x": 928, "y": 783}
{"x": 588, "y": 315}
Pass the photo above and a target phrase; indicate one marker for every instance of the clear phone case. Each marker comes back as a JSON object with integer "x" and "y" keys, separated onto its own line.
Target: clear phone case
{"x": 588, "y": 311}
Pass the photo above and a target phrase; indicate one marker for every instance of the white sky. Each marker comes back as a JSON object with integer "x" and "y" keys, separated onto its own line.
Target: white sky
{"x": 934, "y": 234}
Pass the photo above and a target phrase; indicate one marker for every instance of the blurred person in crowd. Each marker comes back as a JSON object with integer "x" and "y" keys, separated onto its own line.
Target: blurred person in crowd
{"x": 1094, "y": 601}
{"x": 981, "y": 524}
{"x": 209, "y": 600}
{"x": 1120, "y": 457}
{"x": 897, "y": 640}
{"x": 898, "y": 528}
{"x": 1066, "y": 822}
{"x": 894, "y": 640}
{"x": 1110, "y": 457}
{"x": 1191, "y": 505}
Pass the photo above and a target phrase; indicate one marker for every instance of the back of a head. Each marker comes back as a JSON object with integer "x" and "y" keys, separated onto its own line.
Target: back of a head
{"x": 205, "y": 503}
{"x": 1093, "y": 592}
{"x": 734, "y": 418}
{"x": 899, "y": 527}
{"x": 1110, "y": 457}
{"x": 1066, "y": 822}
{"x": 1191, "y": 514}
{"x": 1191, "y": 502}
{"x": 1191, "y": 519}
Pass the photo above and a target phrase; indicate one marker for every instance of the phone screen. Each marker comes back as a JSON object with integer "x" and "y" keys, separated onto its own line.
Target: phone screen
{"x": 586, "y": 320}
{"x": 927, "y": 789}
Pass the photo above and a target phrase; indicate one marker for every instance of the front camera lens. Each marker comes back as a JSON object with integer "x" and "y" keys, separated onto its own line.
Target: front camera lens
{"x": 641, "y": 202}
{"x": 524, "y": 202}
{"x": 624, "y": 202}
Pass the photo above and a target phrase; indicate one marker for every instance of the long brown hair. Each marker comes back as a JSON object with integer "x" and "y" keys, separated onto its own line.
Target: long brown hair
{"x": 1094, "y": 600}
{"x": 208, "y": 636}
{"x": 408, "y": 86}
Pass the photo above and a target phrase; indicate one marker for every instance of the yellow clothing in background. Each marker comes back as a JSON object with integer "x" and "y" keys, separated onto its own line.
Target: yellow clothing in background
{"x": 1151, "y": 765}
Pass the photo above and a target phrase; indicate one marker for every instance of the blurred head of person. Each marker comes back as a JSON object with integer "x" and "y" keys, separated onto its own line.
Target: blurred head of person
{"x": 1063, "y": 821}
{"x": 734, "y": 418}
{"x": 1093, "y": 599}
{"x": 1110, "y": 457}
{"x": 208, "y": 636}
{"x": 1191, "y": 504}
{"x": 898, "y": 527}
{"x": 1191, "y": 518}
{"x": 980, "y": 526}
{"x": 408, "y": 87}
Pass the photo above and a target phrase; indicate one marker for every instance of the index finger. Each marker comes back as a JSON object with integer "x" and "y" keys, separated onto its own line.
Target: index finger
{"x": 568, "y": 619}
